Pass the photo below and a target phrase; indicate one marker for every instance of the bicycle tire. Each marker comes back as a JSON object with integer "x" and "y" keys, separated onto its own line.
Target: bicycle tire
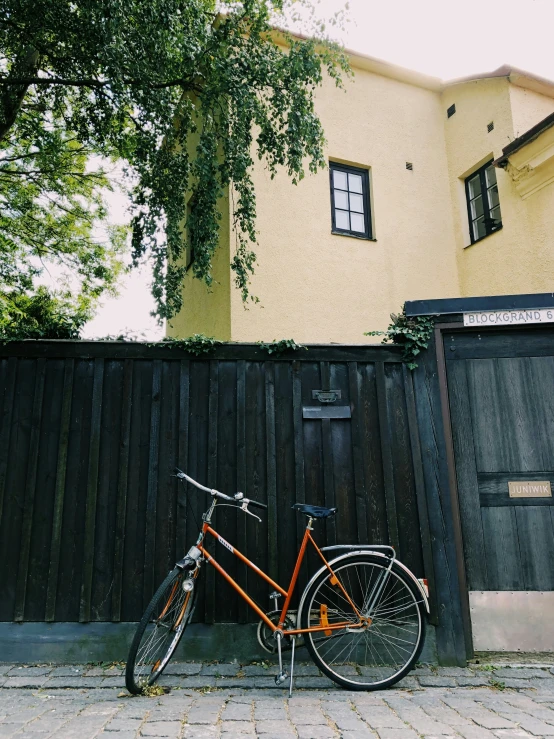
{"x": 380, "y": 654}
{"x": 171, "y": 608}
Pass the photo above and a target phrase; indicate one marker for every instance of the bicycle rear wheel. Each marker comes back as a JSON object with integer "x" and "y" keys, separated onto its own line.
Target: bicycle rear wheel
{"x": 381, "y": 652}
{"x": 160, "y": 629}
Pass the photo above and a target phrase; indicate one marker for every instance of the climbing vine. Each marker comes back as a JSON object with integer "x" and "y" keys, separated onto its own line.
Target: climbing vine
{"x": 278, "y": 347}
{"x": 411, "y": 333}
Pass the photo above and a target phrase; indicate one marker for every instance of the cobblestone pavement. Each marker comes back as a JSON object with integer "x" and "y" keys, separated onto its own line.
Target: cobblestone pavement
{"x": 224, "y": 701}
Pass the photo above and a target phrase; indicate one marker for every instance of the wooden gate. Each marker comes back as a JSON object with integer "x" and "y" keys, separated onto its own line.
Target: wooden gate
{"x": 90, "y": 518}
{"x": 501, "y": 393}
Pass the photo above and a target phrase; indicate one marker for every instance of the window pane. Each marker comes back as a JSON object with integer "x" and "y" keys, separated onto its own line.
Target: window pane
{"x": 493, "y": 196}
{"x": 355, "y": 183}
{"x": 341, "y": 199}
{"x": 356, "y": 203}
{"x": 339, "y": 180}
{"x": 357, "y": 222}
{"x": 474, "y": 187}
{"x": 342, "y": 220}
{"x": 490, "y": 176}
{"x": 479, "y": 229}
{"x": 476, "y": 208}
{"x": 496, "y": 217}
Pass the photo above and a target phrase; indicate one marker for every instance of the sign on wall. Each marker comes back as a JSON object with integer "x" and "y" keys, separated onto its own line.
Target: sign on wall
{"x": 509, "y": 317}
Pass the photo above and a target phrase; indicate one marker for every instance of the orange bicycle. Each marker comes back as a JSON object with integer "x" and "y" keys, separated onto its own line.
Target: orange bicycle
{"x": 362, "y": 615}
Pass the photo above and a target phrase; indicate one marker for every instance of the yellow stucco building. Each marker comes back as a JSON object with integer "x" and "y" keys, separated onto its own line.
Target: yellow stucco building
{"x": 433, "y": 190}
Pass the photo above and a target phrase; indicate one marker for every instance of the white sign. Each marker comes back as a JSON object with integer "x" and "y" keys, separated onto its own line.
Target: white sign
{"x": 508, "y": 317}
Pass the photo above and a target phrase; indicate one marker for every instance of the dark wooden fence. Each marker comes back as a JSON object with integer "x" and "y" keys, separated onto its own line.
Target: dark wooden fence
{"x": 90, "y": 518}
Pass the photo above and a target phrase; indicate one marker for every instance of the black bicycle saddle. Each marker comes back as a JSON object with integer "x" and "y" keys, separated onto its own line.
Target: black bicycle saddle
{"x": 314, "y": 511}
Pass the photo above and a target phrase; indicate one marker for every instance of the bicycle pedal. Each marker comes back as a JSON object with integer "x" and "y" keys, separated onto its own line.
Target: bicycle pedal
{"x": 281, "y": 677}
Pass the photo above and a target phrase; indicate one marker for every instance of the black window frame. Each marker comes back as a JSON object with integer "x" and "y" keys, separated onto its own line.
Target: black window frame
{"x": 348, "y": 169}
{"x": 490, "y": 228}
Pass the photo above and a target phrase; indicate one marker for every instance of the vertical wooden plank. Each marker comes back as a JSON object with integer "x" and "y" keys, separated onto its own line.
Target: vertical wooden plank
{"x": 386, "y": 453}
{"x": 327, "y": 444}
{"x": 360, "y": 491}
{"x": 420, "y": 494}
{"x": 536, "y": 544}
{"x": 5, "y": 429}
{"x": 30, "y": 487}
{"x": 298, "y": 434}
{"x": 122, "y": 481}
{"x": 460, "y": 396}
{"x": 272, "y": 513}
{"x": 92, "y": 492}
{"x": 152, "y": 491}
{"x": 502, "y": 549}
{"x": 182, "y": 545}
{"x": 55, "y": 548}
{"x": 328, "y": 479}
{"x": 241, "y": 481}
{"x": 213, "y": 409}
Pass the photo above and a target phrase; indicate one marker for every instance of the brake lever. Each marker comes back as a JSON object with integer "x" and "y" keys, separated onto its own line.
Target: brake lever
{"x": 244, "y": 507}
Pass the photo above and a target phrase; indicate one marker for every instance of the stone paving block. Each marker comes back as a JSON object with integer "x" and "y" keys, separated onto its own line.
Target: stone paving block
{"x": 310, "y": 717}
{"x": 123, "y": 725}
{"x": 472, "y": 731}
{"x": 380, "y": 717}
{"x": 183, "y": 668}
{"x": 202, "y": 715}
{"x": 238, "y": 727}
{"x": 306, "y": 731}
{"x": 273, "y": 727}
{"x": 408, "y": 683}
{"x": 436, "y": 681}
{"x": 5, "y": 667}
{"x": 200, "y": 732}
{"x": 72, "y": 682}
{"x": 194, "y": 681}
{"x": 537, "y": 727}
{"x": 220, "y": 670}
{"x": 68, "y": 671}
{"x": 405, "y": 733}
{"x": 361, "y": 733}
{"x": 312, "y": 683}
{"x": 29, "y": 671}
{"x": 472, "y": 682}
{"x": 520, "y": 673}
{"x": 25, "y": 682}
{"x": 119, "y": 735}
{"x": 161, "y": 728}
{"x": 237, "y": 712}
{"x": 509, "y": 733}
{"x": 250, "y": 670}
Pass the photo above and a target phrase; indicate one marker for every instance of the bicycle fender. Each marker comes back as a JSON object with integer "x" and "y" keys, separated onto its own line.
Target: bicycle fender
{"x": 342, "y": 557}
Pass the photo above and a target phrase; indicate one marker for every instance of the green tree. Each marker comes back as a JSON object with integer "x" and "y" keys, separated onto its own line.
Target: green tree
{"x": 184, "y": 96}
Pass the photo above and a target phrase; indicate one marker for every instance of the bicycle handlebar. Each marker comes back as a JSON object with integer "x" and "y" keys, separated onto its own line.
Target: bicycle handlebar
{"x": 237, "y": 498}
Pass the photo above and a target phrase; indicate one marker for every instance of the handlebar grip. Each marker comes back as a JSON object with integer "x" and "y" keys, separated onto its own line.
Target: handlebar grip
{"x": 255, "y": 504}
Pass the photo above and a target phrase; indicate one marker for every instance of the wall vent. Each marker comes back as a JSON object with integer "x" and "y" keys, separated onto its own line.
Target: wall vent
{"x": 451, "y": 110}
{"x": 490, "y": 126}
{"x": 409, "y": 166}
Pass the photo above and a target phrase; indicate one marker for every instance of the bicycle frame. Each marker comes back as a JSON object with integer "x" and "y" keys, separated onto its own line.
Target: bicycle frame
{"x": 207, "y": 529}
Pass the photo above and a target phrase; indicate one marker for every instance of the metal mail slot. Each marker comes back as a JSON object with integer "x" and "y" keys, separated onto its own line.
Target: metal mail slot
{"x": 329, "y": 411}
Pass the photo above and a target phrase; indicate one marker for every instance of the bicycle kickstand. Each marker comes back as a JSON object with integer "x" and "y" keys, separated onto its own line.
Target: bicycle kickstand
{"x": 283, "y": 674}
{"x": 292, "y": 665}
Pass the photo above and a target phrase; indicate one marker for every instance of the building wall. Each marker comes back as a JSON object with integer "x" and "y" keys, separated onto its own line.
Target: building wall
{"x": 206, "y": 310}
{"x": 321, "y": 287}
{"x": 315, "y": 286}
{"x": 528, "y": 108}
{"x": 507, "y": 261}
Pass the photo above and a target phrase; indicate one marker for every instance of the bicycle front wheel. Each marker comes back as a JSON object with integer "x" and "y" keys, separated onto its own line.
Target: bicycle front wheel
{"x": 160, "y": 629}
{"x": 379, "y": 653}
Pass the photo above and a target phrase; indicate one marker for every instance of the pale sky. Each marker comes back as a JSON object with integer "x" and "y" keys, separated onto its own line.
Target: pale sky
{"x": 443, "y": 38}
